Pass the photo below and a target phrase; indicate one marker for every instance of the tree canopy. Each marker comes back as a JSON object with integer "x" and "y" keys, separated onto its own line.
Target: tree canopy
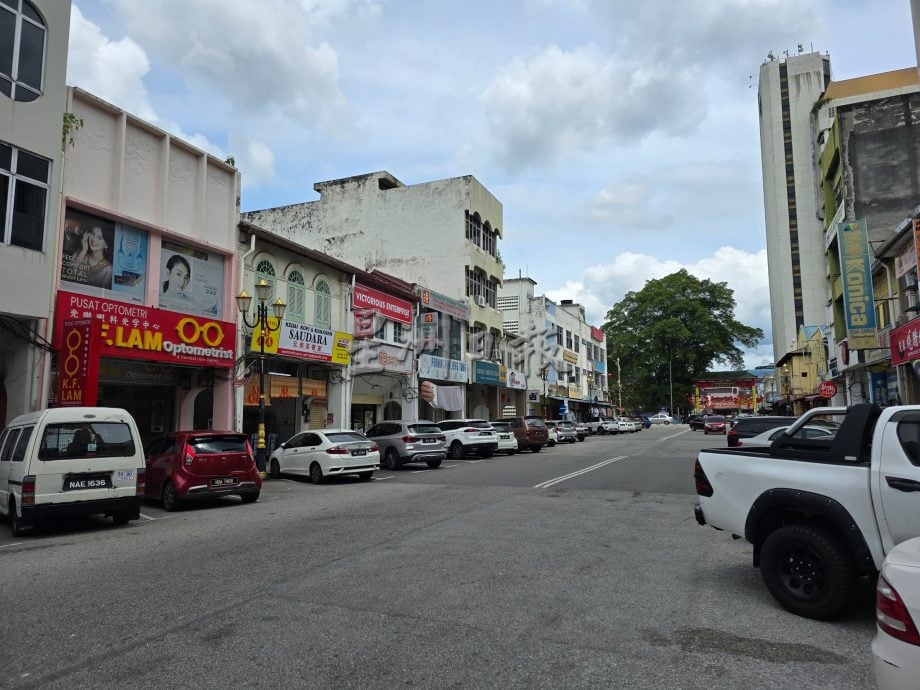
{"x": 678, "y": 323}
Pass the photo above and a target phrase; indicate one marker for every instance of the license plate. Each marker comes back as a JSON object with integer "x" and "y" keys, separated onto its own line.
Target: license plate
{"x": 505, "y": 436}
{"x": 124, "y": 475}
{"x": 359, "y": 452}
{"x": 87, "y": 482}
{"x": 429, "y": 440}
{"x": 224, "y": 481}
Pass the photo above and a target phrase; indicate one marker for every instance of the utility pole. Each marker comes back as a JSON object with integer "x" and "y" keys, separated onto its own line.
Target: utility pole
{"x": 670, "y": 385}
{"x": 619, "y": 387}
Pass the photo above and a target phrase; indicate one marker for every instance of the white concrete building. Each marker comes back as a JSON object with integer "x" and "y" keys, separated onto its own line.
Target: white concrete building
{"x": 788, "y": 90}
{"x": 441, "y": 235}
{"x": 32, "y": 106}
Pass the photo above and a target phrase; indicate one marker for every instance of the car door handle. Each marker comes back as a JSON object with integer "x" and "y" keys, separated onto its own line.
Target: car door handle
{"x": 902, "y": 484}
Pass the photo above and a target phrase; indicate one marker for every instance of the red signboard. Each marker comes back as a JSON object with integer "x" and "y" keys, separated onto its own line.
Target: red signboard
{"x": 827, "y": 389}
{"x": 385, "y": 305}
{"x": 905, "y": 343}
{"x": 130, "y": 331}
{"x": 597, "y": 334}
{"x": 78, "y": 367}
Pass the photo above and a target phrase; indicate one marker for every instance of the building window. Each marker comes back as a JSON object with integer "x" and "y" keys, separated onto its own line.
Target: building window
{"x": 322, "y": 304}
{"x": 23, "y": 197}
{"x": 568, "y": 340}
{"x": 473, "y": 228}
{"x": 296, "y": 296}
{"x": 22, "y": 50}
{"x": 266, "y": 269}
{"x": 488, "y": 240}
{"x": 400, "y": 333}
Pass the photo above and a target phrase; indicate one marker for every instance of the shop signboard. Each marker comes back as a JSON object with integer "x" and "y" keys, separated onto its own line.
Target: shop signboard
{"x": 430, "y": 324}
{"x": 303, "y": 341}
{"x": 372, "y": 356}
{"x": 365, "y": 299}
{"x": 485, "y": 373}
{"x": 533, "y": 396}
{"x": 77, "y": 379}
{"x": 856, "y": 275}
{"x": 442, "y": 368}
{"x": 597, "y": 334}
{"x": 130, "y": 331}
{"x": 905, "y": 343}
{"x": 574, "y": 391}
{"x": 569, "y": 356}
{"x": 516, "y": 380}
{"x": 280, "y": 387}
{"x": 435, "y": 300}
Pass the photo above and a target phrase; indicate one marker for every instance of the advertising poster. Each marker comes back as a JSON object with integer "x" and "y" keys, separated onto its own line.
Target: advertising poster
{"x": 856, "y": 275}
{"x": 191, "y": 280}
{"x": 77, "y": 376}
{"x": 100, "y": 255}
{"x": 304, "y": 341}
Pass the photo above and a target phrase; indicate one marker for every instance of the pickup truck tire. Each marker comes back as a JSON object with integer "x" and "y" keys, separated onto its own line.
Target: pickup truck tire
{"x": 808, "y": 571}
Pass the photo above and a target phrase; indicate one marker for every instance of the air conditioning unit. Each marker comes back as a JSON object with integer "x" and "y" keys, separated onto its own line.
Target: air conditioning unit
{"x": 481, "y": 300}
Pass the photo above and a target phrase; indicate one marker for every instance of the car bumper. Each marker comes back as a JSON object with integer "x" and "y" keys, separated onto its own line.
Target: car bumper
{"x": 896, "y": 664}
{"x": 425, "y": 456}
{"x": 208, "y": 491}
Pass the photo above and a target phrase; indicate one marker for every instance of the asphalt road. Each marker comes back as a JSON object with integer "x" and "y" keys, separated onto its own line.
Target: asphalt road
{"x": 579, "y": 566}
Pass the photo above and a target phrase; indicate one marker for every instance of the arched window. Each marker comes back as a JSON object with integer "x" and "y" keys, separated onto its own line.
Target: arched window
{"x": 322, "y": 304}
{"x": 296, "y": 291}
{"x": 265, "y": 269}
{"x": 22, "y": 50}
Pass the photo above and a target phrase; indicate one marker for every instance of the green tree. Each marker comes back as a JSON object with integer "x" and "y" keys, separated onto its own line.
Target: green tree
{"x": 672, "y": 330}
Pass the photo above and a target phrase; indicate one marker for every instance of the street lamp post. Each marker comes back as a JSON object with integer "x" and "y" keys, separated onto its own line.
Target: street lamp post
{"x": 243, "y": 301}
{"x": 619, "y": 387}
{"x": 670, "y": 385}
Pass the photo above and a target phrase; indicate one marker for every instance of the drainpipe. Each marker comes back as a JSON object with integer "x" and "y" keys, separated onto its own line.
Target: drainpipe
{"x": 238, "y": 401}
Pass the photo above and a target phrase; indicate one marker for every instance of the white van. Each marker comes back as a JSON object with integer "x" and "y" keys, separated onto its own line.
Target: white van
{"x": 71, "y": 461}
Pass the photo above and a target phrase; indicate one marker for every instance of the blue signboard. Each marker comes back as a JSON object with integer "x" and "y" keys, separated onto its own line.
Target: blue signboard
{"x": 485, "y": 372}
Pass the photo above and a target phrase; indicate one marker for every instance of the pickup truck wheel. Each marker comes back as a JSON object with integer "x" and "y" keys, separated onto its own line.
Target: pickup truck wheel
{"x": 808, "y": 571}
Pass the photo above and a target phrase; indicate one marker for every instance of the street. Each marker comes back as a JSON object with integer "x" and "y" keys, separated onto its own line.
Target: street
{"x": 579, "y": 566}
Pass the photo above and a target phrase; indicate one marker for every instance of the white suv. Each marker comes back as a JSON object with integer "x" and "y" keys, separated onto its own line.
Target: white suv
{"x": 466, "y": 436}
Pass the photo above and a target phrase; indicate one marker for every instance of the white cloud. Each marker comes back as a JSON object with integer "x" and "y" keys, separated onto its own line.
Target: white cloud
{"x": 255, "y": 160}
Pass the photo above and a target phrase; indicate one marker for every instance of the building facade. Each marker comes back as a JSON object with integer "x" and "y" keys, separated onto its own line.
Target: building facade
{"x": 33, "y": 103}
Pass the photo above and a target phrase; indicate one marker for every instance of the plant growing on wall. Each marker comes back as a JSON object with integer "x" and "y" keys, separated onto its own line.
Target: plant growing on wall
{"x": 71, "y": 124}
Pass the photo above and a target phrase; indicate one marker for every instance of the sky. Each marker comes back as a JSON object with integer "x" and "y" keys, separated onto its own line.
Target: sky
{"x": 621, "y": 137}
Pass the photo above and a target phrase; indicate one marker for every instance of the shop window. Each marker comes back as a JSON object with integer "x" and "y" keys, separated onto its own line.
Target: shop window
{"x": 322, "y": 304}
{"x": 24, "y": 182}
{"x": 266, "y": 269}
{"x": 296, "y": 292}
{"x": 22, "y": 50}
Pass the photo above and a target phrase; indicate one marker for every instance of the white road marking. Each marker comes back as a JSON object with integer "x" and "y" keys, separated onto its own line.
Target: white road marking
{"x": 380, "y": 479}
{"x": 550, "y": 482}
{"x": 15, "y": 543}
{"x": 147, "y": 517}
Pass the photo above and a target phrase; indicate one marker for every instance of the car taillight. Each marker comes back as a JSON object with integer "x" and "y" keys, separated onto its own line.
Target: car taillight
{"x": 28, "y": 490}
{"x": 738, "y": 443}
{"x": 373, "y": 449}
{"x": 141, "y": 481}
{"x": 189, "y": 455}
{"x": 471, "y": 430}
{"x": 252, "y": 455}
{"x": 337, "y": 451}
{"x": 892, "y": 615}
{"x": 703, "y": 487}
{"x": 441, "y": 438}
{"x": 410, "y": 439}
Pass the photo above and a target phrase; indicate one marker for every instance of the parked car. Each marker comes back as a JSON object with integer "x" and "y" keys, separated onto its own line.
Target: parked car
{"x": 640, "y": 423}
{"x": 714, "y": 424}
{"x": 530, "y": 430}
{"x": 551, "y": 436}
{"x": 322, "y": 453}
{"x": 767, "y": 437}
{"x": 565, "y": 432}
{"x": 747, "y": 427}
{"x": 466, "y": 436}
{"x": 624, "y": 426}
{"x": 661, "y": 418}
{"x": 582, "y": 431}
{"x": 187, "y": 465}
{"x": 70, "y": 461}
{"x": 896, "y": 647}
{"x": 507, "y": 441}
{"x": 415, "y": 440}
{"x": 697, "y": 421}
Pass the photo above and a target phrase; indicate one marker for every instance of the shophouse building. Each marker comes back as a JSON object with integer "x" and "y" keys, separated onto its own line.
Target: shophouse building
{"x": 145, "y": 273}
{"x": 33, "y": 102}
{"x": 341, "y": 355}
{"x": 442, "y": 236}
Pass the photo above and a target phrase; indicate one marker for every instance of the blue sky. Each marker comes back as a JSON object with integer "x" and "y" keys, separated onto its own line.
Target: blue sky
{"x": 621, "y": 137}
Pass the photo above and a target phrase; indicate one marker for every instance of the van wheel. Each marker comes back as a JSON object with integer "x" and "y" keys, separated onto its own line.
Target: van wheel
{"x": 17, "y": 524}
{"x": 274, "y": 469}
{"x": 121, "y": 517}
{"x": 316, "y": 473}
{"x": 169, "y": 498}
{"x": 455, "y": 452}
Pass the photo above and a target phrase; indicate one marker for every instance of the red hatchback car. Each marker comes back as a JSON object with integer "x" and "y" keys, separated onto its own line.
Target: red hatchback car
{"x": 714, "y": 424}
{"x": 186, "y": 465}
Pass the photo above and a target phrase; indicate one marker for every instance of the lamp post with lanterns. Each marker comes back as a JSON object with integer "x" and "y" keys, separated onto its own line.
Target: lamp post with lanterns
{"x": 243, "y": 301}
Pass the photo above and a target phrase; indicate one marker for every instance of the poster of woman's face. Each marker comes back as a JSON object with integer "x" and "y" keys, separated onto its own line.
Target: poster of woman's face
{"x": 191, "y": 280}
{"x": 365, "y": 323}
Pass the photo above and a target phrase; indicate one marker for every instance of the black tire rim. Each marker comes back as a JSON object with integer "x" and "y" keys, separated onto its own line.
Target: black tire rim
{"x": 169, "y": 496}
{"x": 456, "y": 450}
{"x": 391, "y": 459}
{"x": 316, "y": 474}
{"x": 801, "y": 573}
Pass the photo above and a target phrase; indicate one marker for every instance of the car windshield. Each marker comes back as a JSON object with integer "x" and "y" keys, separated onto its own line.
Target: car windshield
{"x": 212, "y": 445}
{"x": 478, "y": 424}
{"x": 535, "y": 421}
{"x": 501, "y": 426}
{"x": 86, "y": 440}
{"x": 424, "y": 429}
{"x": 715, "y": 418}
{"x": 346, "y": 437}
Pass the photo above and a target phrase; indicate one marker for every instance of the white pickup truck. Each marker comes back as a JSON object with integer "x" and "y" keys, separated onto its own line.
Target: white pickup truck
{"x": 819, "y": 512}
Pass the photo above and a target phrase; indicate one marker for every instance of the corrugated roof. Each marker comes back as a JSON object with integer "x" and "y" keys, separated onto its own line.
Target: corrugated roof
{"x": 872, "y": 83}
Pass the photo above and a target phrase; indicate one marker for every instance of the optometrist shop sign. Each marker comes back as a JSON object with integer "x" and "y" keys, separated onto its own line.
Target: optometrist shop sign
{"x": 856, "y": 274}
{"x": 130, "y": 331}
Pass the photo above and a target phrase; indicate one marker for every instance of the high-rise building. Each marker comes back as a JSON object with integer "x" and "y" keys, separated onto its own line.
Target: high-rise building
{"x": 787, "y": 92}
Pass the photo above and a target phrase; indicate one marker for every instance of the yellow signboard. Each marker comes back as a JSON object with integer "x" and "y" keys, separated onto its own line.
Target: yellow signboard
{"x": 570, "y": 357}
